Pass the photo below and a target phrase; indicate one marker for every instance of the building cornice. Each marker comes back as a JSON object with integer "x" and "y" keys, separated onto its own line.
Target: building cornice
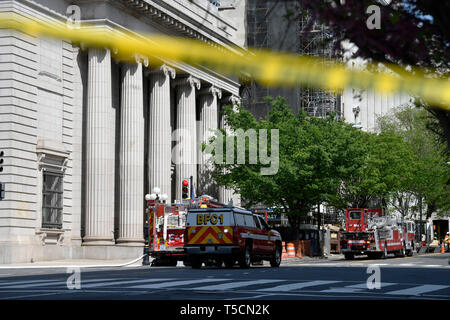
{"x": 167, "y": 14}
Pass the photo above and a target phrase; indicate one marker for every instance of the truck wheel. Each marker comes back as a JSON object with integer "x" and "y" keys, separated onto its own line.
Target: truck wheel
{"x": 218, "y": 263}
{"x": 245, "y": 260}
{"x": 186, "y": 263}
{"x": 275, "y": 261}
{"x": 229, "y": 262}
{"x": 411, "y": 251}
{"x": 196, "y": 263}
{"x": 349, "y": 256}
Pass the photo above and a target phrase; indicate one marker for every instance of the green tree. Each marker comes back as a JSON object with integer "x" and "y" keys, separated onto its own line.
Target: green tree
{"x": 379, "y": 163}
{"x": 427, "y": 178}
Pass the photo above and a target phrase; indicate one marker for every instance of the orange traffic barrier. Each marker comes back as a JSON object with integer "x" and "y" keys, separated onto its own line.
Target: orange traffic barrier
{"x": 442, "y": 248}
{"x": 290, "y": 250}
{"x": 298, "y": 249}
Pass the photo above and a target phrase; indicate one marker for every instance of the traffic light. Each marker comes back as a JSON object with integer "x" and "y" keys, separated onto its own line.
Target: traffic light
{"x": 1, "y": 160}
{"x": 2, "y": 190}
{"x": 185, "y": 189}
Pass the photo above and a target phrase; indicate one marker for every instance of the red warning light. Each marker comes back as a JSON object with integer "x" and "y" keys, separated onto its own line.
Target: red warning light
{"x": 185, "y": 182}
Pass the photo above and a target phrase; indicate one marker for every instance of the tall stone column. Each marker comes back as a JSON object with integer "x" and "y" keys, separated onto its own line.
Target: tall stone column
{"x": 100, "y": 138}
{"x": 225, "y": 194}
{"x": 160, "y": 135}
{"x": 185, "y": 151}
{"x": 209, "y": 122}
{"x": 131, "y": 210}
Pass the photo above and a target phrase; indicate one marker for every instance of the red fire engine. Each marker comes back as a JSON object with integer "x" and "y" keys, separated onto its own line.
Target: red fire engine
{"x": 166, "y": 233}
{"x": 369, "y": 232}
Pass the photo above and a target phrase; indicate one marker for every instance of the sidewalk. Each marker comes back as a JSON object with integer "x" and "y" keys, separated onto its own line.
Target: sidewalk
{"x": 308, "y": 259}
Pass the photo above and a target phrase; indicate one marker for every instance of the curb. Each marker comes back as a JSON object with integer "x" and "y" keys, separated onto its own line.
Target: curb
{"x": 73, "y": 266}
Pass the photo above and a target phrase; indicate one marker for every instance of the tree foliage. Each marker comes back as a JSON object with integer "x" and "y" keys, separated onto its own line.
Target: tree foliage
{"x": 326, "y": 161}
{"x": 427, "y": 176}
{"x": 321, "y": 160}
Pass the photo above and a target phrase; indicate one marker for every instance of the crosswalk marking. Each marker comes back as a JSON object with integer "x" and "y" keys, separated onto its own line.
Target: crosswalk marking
{"x": 269, "y": 286}
{"x": 105, "y": 284}
{"x": 234, "y": 285}
{"x": 175, "y": 283}
{"x": 364, "y": 285}
{"x": 417, "y": 290}
{"x": 46, "y": 283}
{"x": 430, "y": 265}
{"x": 294, "y": 286}
{"x": 9, "y": 283}
{"x": 342, "y": 290}
{"x": 24, "y": 285}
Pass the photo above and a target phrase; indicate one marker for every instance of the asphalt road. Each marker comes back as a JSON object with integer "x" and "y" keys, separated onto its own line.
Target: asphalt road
{"x": 418, "y": 277}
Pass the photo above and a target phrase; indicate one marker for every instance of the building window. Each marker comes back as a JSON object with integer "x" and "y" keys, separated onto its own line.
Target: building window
{"x": 52, "y": 201}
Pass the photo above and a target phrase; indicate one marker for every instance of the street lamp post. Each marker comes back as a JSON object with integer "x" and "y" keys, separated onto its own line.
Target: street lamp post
{"x": 156, "y": 197}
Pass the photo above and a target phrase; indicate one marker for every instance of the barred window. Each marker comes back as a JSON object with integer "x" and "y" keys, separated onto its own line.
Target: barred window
{"x": 52, "y": 202}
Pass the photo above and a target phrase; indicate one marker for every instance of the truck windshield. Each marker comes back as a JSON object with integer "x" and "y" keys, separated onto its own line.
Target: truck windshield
{"x": 354, "y": 215}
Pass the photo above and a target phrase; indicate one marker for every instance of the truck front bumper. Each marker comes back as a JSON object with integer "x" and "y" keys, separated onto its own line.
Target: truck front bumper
{"x": 211, "y": 250}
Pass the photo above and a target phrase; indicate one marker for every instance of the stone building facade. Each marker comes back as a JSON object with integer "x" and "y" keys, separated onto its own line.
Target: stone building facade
{"x": 86, "y": 136}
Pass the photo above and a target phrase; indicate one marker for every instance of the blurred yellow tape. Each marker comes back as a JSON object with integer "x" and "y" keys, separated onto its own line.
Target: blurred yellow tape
{"x": 269, "y": 68}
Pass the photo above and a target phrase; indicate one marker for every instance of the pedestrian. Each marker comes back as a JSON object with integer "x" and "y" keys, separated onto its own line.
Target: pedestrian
{"x": 446, "y": 242}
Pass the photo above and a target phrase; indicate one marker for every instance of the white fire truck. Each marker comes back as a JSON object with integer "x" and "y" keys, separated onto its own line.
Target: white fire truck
{"x": 369, "y": 232}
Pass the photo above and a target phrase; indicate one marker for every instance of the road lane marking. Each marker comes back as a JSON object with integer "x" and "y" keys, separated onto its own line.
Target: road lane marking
{"x": 234, "y": 285}
{"x": 175, "y": 283}
{"x": 417, "y": 290}
{"x": 295, "y": 286}
{"x": 104, "y": 284}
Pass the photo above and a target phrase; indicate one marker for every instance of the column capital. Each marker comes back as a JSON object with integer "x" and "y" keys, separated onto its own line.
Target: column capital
{"x": 139, "y": 58}
{"x": 233, "y": 99}
{"x": 165, "y": 69}
{"x": 213, "y": 90}
{"x": 191, "y": 81}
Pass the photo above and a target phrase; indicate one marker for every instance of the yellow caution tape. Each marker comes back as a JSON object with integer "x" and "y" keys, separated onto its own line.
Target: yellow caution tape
{"x": 266, "y": 67}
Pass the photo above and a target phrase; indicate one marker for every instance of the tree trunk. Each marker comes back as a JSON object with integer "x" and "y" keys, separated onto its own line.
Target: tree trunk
{"x": 294, "y": 221}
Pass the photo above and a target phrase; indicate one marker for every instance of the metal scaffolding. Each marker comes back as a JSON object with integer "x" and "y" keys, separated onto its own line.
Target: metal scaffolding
{"x": 316, "y": 40}
{"x": 257, "y": 37}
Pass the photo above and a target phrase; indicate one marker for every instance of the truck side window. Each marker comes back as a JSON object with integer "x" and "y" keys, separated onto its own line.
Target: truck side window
{"x": 264, "y": 225}
{"x": 249, "y": 222}
{"x": 258, "y": 225}
{"x": 239, "y": 219}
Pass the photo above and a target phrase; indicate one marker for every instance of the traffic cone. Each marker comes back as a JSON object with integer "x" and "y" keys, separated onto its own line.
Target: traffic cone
{"x": 442, "y": 248}
{"x": 284, "y": 254}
